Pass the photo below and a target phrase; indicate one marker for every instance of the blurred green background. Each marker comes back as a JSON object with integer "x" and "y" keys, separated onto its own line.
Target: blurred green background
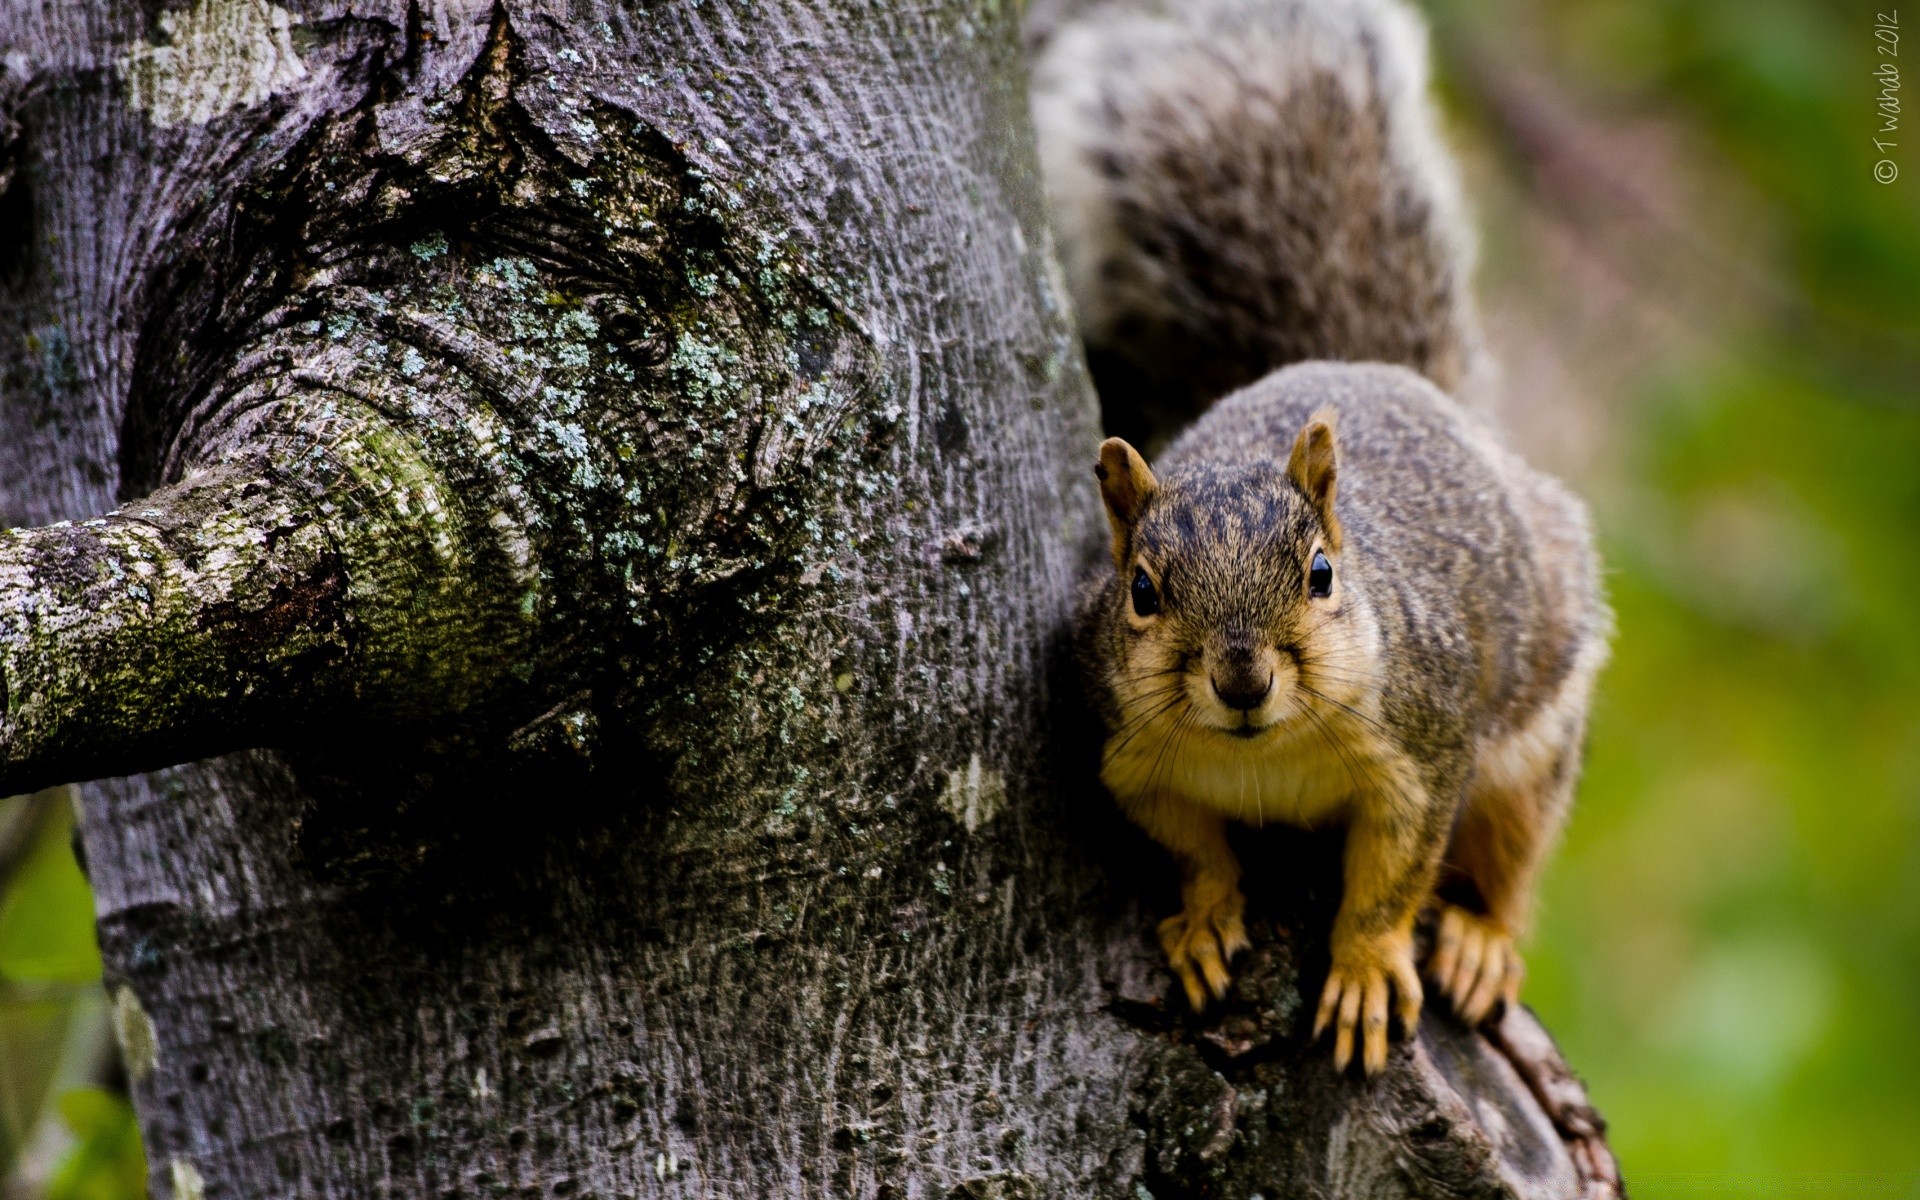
{"x": 1709, "y": 315}
{"x": 66, "y": 1130}
{"x": 1708, "y": 312}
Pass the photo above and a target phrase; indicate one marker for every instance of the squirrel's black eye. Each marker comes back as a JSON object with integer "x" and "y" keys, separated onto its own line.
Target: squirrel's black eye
{"x": 1146, "y": 601}
{"x": 1319, "y": 578}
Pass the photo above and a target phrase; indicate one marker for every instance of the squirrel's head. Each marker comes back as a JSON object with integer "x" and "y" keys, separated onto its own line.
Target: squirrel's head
{"x": 1231, "y": 607}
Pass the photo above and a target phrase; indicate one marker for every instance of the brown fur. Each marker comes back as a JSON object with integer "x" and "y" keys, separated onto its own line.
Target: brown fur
{"x": 1434, "y": 701}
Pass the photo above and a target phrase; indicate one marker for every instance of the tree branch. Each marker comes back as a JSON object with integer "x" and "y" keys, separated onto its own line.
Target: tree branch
{"x": 317, "y": 573}
{"x": 1525, "y": 1043}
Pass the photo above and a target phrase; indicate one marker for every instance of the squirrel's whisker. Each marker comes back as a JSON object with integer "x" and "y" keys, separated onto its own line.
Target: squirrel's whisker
{"x": 1351, "y": 711}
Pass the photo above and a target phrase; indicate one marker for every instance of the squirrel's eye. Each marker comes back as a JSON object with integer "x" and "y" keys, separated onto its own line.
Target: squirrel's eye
{"x": 1320, "y": 577}
{"x": 1146, "y": 601}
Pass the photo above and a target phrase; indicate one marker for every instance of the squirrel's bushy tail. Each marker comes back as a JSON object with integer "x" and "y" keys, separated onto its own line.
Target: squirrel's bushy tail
{"x": 1242, "y": 184}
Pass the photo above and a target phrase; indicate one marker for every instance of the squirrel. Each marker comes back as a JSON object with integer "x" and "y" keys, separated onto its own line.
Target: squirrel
{"x": 1340, "y": 598}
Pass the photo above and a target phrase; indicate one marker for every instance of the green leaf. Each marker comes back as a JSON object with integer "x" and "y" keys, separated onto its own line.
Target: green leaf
{"x": 46, "y": 917}
{"x": 108, "y": 1162}
{"x": 93, "y": 1112}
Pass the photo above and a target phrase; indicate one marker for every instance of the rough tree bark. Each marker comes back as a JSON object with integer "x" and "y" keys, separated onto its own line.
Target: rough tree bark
{"x": 606, "y": 480}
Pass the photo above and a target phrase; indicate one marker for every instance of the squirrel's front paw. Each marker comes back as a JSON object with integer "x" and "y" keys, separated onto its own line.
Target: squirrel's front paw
{"x": 1201, "y": 941}
{"x": 1366, "y": 970}
{"x": 1474, "y": 963}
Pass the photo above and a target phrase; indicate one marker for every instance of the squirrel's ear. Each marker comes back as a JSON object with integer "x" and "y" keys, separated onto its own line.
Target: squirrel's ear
{"x": 1125, "y": 484}
{"x": 1313, "y": 467}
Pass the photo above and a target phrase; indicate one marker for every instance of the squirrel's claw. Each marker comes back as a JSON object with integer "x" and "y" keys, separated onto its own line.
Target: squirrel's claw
{"x": 1200, "y": 942}
{"x": 1367, "y": 977}
{"x": 1474, "y": 963}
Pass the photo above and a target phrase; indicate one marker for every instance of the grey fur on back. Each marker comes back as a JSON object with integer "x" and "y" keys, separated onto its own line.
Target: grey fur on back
{"x": 1242, "y": 184}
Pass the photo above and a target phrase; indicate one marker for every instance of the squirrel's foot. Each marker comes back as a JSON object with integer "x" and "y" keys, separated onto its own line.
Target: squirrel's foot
{"x": 1474, "y": 963}
{"x": 1368, "y": 975}
{"x": 1202, "y": 940}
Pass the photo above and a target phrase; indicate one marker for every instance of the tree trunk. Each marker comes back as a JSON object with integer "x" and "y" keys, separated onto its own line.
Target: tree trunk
{"x": 608, "y": 480}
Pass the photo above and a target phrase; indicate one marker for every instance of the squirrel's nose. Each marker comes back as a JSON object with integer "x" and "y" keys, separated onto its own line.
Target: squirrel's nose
{"x": 1242, "y": 693}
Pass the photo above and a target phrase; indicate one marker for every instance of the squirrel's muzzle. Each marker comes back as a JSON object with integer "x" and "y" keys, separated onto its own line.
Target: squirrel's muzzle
{"x": 1242, "y": 678}
{"x": 1242, "y": 693}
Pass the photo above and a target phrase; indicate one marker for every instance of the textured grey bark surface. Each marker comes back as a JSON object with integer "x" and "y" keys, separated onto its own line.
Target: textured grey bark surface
{"x": 609, "y": 480}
